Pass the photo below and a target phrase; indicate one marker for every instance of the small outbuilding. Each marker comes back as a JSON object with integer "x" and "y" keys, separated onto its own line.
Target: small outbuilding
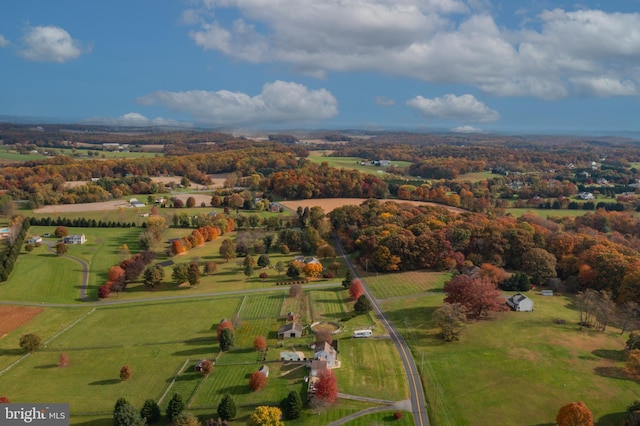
{"x": 264, "y": 369}
{"x": 520, "y": 302}
{"x": 547, "y": 292}
{"x": 293, "y": 329}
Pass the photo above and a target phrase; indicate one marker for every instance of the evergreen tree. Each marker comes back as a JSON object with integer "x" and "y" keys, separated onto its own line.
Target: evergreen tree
{"x": 362, "y": 305}
{"x": 292, "y": 405}
{"x": 347, "y": 279}
{"x": 127, "y": 415}
{"x": 176, "y": 405}
{"x": 227, "y": 339}
{"x": 150, "y": 411}
{"x": 227, "y": 408}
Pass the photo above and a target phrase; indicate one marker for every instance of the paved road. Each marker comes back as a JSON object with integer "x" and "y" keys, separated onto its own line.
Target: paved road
{"x": 418, "y": 406}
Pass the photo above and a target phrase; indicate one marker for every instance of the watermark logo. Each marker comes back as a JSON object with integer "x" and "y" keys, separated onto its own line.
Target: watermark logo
{"x": 34, "y": 414}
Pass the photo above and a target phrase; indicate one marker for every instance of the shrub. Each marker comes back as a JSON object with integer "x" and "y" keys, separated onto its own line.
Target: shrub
{"x": 397, "y": 415}
{"x": 264, "y": 276}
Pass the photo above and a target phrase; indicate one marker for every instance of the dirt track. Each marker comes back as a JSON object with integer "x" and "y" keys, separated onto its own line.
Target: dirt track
{"x": 12, "y": 317}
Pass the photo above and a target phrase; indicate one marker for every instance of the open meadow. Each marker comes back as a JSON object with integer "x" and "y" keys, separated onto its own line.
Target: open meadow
{"x": 514, "y": 365}
{"x": 162, "y": 341}
{"x": 353, "y": 163}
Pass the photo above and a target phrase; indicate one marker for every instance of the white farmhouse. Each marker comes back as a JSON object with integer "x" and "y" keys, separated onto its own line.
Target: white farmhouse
{"x": 520, "y": 302}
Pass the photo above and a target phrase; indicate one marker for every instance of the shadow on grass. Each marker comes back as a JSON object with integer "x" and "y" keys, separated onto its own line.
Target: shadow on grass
{"x": 46, "y": 366}
{"x": 194, "y": 351}
{"x": 201, "y": 341}
{"x": 614, "y": 373}
{"x": 105, "y": 382}
{"x": 186, "y": 377}
{"x": 12, "y": 352}
{"x": 610, "y": 354}
{"x": 612, "y": 419}
{"x": 236, "y": 390}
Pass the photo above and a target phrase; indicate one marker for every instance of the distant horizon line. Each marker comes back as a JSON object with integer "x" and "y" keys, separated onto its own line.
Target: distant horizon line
{"x": 35, "y": 120}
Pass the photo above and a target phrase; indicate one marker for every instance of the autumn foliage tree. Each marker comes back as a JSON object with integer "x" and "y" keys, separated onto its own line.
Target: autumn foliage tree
{"x": 355, "y": 289}
{"x": 63, "y": 361}
{"x": 260, "y": 343}
{"x": 574, "y": 414}
{"x": 125, "y": 373}
{"x": 257, "y": 381}
{"x": 4, "y": 400}
{"x": 326, "y": 387}
{"x": 633, "y": 363}
{"x": 477, "y": 296}
{"x": 206, "y": 367}
{"x": 265, "y": 416}
{"x": 225, "y": 323}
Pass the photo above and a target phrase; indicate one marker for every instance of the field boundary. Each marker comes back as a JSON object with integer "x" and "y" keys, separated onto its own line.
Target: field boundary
{"x": 22, "y": 358}
{"x": 170, "y": 385}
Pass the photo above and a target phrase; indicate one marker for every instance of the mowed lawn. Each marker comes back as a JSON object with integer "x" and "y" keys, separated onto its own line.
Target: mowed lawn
{"x": 413, "y": 283}
{"x": 153, "y": 339}
{"x": 516, "y": 365}
{"x": 159, "y": 339}
{"x": 353, "y": 163}
{"x": 44, "y": 276}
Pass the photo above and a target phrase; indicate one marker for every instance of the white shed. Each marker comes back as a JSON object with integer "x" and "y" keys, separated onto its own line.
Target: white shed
{"x": 520, "y": 302}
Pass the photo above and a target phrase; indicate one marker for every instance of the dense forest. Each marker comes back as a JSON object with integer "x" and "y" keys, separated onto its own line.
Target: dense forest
{"x": 597, "y": 251}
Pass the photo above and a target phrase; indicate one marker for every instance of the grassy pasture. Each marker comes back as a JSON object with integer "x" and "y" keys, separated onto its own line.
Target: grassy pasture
{"x": 413, "y": 283}
{"x": 517, "y": 212}
{"x": 158, "y": 339}
{"x": 353, "y": 163}
{"x": 525, "y": 354}
{"x": 371, "y": 368}
{"x": 8, "y": 154}
{"x": 475, "y": 177}
{"x": 43, "y": 276}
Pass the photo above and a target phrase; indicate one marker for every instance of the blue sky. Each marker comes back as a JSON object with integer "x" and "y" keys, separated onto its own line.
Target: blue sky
{"x": 476, "y": 65}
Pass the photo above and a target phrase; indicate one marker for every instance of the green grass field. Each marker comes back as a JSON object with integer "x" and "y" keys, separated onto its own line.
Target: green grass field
{"x": 159, "y": 339}
{"x": 353, "y": 163}
{"x": 517, "y": 212}
{"x": 475, "y": 177}
{"x": 525, "y": 354}
{"x": 9, "y": 154}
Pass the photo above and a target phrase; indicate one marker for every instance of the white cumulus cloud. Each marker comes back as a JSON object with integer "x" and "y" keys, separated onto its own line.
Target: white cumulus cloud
{"x": 134, "y": 119}
{"x": 279, "y": 102}
{"x": 555, "y": 55}
{"x": 466, "y": 129}
{"x": 51, "y": 44}
{"x": 452, "y": 107}
{"x": 3, "y": 41}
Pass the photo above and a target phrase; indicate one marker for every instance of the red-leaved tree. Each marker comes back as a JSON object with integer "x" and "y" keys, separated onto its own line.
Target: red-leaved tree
{"x": 355, "y": 289}
{"x": 257, "y": 381}
{"x": 478, "y": 296}
{"x": 326, "y": 387}
{"x": 260, "y": 343}
{"x": 4, "y": 400}
{"x": 64, "y": 360}
{"x": 125, "y": 373}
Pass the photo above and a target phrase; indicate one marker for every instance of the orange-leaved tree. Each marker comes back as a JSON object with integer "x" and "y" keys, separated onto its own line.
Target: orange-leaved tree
{"x": 574, "y": 414}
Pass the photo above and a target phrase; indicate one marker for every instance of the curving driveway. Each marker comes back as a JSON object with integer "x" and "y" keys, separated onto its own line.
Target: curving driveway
{"x": 85, "y": 272}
